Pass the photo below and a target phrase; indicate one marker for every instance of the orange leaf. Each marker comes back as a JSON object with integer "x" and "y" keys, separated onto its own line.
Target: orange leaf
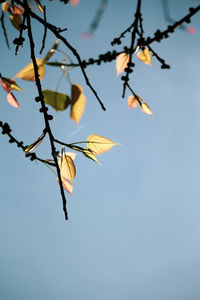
{"x": 12, "y": 100}
{"x": 5, "y": 5}
{"x": 74, "y": 2}
{"x": 17, "y": 10}
{"x": 78, "y": 103}
{"x": 28, "y": 73}
{"x": 121, "y": 62}
{"x": 191, "y": 30}
{"x": 145, "y": 56}
{"x": 66, "y": 185}
{"x": 132, "y": 102}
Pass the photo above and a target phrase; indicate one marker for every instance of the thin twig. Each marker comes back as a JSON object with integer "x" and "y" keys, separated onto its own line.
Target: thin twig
{"x": 19, "y": 41}
{"x": 45, "y": 31}
{"x": 4, "y": 30}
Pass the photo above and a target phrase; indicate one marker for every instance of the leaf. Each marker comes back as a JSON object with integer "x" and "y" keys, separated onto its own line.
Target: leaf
{"x": 57, "y": 100}
{"x": 132, "y": 102}
{"x": 89, "y": 154}
{"x": 17, "y": 10}
{"x": 142, "y": 105}
{"x": 78, "y": 103}
{"x": 5, "y": 5}
{"x": 99, "y": 144}
{"x": 191, "y": 30}
{"x": 16, "y": 21}
{"x": 71, "y": 154}
{"x": 66, "y": 185}
{"x": 39, "y": 6}
{"x": 9, "y": 84}
{"x": 35, "y": 144}
{"x": 67, "y": 167}
{"x": 145, "y": 56}
{"x": 74, "y": 2}
{"x": 51, "y": 52}
{"x": 146, "y": 109}
{"x": 28, "y": 73}
{"x": 121, "y": 62}
{"x": 12, "y": 100}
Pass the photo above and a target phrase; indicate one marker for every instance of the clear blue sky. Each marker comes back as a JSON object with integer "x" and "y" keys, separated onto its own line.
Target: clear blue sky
{"x": 133, "y": 229}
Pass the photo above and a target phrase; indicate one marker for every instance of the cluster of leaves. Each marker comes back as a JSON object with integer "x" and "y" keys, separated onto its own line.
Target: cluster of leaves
{"x": 20, "y": 14}
{"x": 122, "y": 62}
{"x": 96, "y": 144}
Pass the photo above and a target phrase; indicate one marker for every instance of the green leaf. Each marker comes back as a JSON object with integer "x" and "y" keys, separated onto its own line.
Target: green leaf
{"x": 88, "y": 153}
{"x": 57, "y": 100}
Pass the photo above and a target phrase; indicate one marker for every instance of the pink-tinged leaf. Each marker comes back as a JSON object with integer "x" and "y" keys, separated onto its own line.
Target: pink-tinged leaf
{"x": 121, "y": 62}
{"x": 17, "y": 10}
{"x": 86, "y": 35}
{"x": 191, "y": 30}
{"x": 9, "y": 84}
{"x": 12, "y": 100}
{"x": 74, "y": 2}
{"x": 132, "y": 102}
{"x": 5, "y": 85}
{"x": 66, "y": 185}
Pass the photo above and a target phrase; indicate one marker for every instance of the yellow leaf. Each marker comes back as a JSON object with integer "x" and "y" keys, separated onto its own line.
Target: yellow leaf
{"x": 28, "y": 73}
{"x": 78, "y": 103}
{"x": 146, "y": 109}
{"x": 57, "y": 100}
{"x": 121, "y": 62}
{"x": 51, "y": 52}
{"x": 67, "y": 167}
{"x": 145, "y": 56}
{"x": 98, "y": 144}
{"x": 89, "y": 154}
{"x": 71, "y": 154}
{"x": 5, "y": 5}
{"x": 39, "y": 6}
{"x": 16, "y": 21}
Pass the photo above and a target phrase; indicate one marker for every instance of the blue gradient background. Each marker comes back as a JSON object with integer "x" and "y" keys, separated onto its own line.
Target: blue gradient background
{"x": 133, "y": 229}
